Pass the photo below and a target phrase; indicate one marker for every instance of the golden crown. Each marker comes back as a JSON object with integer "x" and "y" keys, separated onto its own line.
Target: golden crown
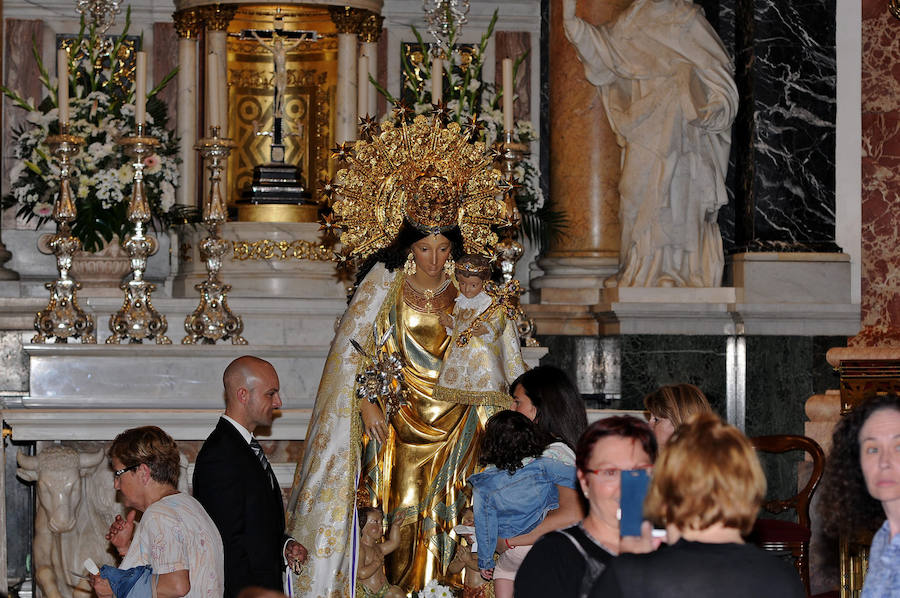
{"x": 470, "y": 269}
{"x": 423, "y": 172}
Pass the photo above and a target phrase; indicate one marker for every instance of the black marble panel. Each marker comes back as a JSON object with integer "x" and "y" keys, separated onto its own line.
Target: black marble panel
{"x": 784, "y": 136}
{"x": 19, "y": 514}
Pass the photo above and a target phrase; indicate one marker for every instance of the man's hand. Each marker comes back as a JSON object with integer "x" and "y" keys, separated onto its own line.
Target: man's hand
{"x": 374, "y": 421}
{"x": 101, "y": 586}
{"x": 568, "y": 7}
{"x": 121, "y": 531}
{"x": 295, "y": 554}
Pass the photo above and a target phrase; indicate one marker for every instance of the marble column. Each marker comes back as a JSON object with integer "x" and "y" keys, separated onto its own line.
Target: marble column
{"x": 188, "y": 26}
{"x": 216, "y": 19}
{"x": 369, "y": 35}
{"x": 347, "y": 21}
{"x": 880, "y": 174}
{"x": 584, "y": 170}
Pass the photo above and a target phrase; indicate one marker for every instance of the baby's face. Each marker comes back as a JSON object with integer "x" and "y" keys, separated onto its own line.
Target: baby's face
{"x": 468, "y": 518}
{"x": 470, "y": 286}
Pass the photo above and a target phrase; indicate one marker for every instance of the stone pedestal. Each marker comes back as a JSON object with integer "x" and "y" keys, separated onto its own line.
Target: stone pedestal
{"x": 790, "y": 277}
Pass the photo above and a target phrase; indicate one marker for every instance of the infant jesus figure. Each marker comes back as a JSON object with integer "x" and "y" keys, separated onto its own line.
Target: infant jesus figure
{"x": 484, "y": 355}
{"x": 371, "y": 582}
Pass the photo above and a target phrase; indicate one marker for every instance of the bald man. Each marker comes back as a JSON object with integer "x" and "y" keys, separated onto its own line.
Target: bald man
{"x": 237, "y": 486}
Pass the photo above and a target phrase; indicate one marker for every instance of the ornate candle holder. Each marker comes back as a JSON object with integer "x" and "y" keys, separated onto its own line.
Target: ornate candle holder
{"x": 138, "y": 320}
{"x": 63, "y": 318}
{"x": 508, "y": 248}
{"x": 213, "y": 320}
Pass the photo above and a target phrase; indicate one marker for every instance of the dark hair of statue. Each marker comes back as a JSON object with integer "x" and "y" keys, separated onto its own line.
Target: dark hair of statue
{"x": 844, "y": 501}
{"x": 510, "y": 437}
{"x": 623, "y": 426}
{"x": 560, "y": 408}
{"x": 363, "y": 513}
{"x": 394, "y": 256}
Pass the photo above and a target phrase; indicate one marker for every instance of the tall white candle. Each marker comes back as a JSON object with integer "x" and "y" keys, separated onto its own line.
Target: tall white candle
{"x": 362, "y": 90}
{"x": 508, "y": 94}
{"x": 140, "y": 89}
{"x": 62, "y": 74}
{"x": 212, "y": 90}
{"x": 437, "y": 80}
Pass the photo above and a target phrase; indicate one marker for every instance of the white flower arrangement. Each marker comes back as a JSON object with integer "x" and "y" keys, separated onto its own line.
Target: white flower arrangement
{"x": 101, "y": 111}
{"x": 433, "y": 589}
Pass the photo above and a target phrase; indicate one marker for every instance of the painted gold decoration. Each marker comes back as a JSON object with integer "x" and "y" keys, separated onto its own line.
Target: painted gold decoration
{"x": 213, "y": 320}
{"x": 370, "y": 28}
{"x": 347, "y": 19}
{"x": 187, "y": 23}
{"x": 216, "y": 17}
{"x": 138, "y": 320}
{"x": 423, "y": 172}
{"x": 266, "y": 249}
{"x": 63, "y": 318}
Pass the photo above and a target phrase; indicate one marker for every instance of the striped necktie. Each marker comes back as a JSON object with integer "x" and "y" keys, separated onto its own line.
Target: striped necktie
{"x": 261, "y": 455}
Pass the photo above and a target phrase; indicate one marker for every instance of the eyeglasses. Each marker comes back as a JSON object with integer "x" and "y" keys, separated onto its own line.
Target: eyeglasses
{"x": 117, "y": 473}
{"x": 612, "y": 475}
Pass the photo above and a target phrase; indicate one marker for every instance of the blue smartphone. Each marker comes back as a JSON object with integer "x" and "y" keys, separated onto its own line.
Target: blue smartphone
{"x": 635, "y": 483}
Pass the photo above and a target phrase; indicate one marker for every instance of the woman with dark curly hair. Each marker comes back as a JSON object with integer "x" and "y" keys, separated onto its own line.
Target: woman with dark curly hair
{"x": 514, "y": 492}
{"x": 862, "y": 485}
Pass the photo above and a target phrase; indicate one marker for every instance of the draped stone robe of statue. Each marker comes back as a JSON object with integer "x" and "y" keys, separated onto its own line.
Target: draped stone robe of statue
{"x": 668, "y": 91}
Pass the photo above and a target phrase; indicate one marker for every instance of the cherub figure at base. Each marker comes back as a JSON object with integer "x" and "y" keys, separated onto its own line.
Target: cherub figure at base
{"x": 485, "y": 354}
{"x": 371, "y": 581}
{"x": 466, "y": 560}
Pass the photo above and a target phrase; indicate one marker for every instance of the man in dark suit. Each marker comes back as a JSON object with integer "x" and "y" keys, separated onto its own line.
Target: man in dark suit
{"x": 236, "y": 485}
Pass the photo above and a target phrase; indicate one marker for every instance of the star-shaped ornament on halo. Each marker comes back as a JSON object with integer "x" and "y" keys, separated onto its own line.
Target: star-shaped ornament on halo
{"x": 342, "y": 151}
{"x": 497, "y": 150}
{"x": 368, "y": 127}
{"x": 440, "y": 111}
{"x": 328, "y": 189}
{"x": 472, "y": 126}
{"x": 402, "y": 111}
{"x": 329, "y": 224}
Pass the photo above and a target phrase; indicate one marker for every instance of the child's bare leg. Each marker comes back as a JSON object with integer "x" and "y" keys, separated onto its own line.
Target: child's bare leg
{"x": 503, "y": 588}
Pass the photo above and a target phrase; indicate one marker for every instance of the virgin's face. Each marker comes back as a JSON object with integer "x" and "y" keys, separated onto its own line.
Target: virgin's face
{"x": 879, "y": 455}
{"x": 431, "y": 253}
{"x": 602, "y": 485}
{"x": 522, "y": 404}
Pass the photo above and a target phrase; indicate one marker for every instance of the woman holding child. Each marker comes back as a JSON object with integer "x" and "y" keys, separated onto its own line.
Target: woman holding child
{"x": 409, "y": 217}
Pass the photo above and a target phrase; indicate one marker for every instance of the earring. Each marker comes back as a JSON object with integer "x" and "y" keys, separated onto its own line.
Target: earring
{"x": 449, "y": 265}
{"x": 410, "y": 266}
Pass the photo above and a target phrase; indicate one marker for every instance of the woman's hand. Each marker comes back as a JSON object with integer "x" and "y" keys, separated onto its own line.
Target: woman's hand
{"x": 101, "y": 586}
{"x": 121, "y": 532}
{"x": 640, "y": 544}
{"x": 487, "y": 574}
{"x": 374, "y": 422}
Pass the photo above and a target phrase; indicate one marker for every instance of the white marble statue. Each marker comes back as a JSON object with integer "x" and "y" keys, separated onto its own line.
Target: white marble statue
{"x": 75, "y": 502}
{"x": 279, "y": 57}
{"x": 668, "y": 91}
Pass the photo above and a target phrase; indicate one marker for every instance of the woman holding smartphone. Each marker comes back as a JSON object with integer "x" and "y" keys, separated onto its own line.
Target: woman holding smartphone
{"x": 706, "y": 489}
{"x": 567, "y": 562}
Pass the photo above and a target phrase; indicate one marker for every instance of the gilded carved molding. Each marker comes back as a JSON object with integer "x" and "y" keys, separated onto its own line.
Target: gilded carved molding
{"x": 216, "y": 17}
{"x": 266, "y": 249}
{"x": 347, "y": 19}
{"x": 188, "y": 24}
{"x": 370, "y": 28}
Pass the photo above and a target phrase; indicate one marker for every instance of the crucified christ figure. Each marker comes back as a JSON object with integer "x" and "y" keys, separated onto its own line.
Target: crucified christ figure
{"x": 279, "y": 56}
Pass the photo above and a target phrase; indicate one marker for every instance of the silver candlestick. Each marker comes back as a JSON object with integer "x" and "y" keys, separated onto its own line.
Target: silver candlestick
{"x": 138, "y": 320}
{"x": 63, "y": 318}
{"x": 213, "y": 320}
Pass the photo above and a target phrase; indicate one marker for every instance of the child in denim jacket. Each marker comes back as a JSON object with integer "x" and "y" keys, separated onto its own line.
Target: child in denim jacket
{"x": 513, "y": 494}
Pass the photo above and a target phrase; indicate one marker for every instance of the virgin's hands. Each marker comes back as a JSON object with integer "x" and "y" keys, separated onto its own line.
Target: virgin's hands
{"x": 374, "y": 421}
{"x": 121, "y": 531}
{"x": 445, "y": 319}
{"x": 568, "y": 7}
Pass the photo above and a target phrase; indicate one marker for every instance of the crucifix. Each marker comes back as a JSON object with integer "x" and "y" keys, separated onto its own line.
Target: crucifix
{"x": 278, "y": 42}
{"x": 277, "y": 187}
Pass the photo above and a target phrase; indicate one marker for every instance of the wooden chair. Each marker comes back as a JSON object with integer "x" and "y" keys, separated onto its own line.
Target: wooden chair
{"x": 786, "y": 536}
